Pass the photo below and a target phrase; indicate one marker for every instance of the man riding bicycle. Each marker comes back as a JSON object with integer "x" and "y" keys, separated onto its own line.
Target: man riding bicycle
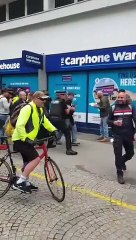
{"x": 27, "y": 127}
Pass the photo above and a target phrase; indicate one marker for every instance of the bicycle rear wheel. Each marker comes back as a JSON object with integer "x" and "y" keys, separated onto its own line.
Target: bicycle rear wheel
{"x": 54, "y": 180}
{"x": 5, "y": 177}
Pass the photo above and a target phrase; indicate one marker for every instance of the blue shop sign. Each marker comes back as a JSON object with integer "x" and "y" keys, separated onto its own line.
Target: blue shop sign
{"x": 32, "y": 59}
{"x": 117, "y": 57}
{"x": 13, "y": 66}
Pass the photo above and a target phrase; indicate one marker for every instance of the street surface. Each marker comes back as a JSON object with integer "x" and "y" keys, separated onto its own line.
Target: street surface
{"x": 95, "y": 207}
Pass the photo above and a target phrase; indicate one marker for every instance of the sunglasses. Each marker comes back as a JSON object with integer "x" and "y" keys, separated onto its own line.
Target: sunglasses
{"x": 42, "y": 99}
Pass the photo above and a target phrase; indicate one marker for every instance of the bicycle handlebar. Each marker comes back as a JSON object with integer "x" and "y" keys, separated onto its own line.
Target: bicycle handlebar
{"x": 44, "y": 139}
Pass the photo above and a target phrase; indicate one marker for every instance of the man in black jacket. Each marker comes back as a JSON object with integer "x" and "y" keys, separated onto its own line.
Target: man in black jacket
{"x": 122, "y": 119}
{"x": 22, "y": 99}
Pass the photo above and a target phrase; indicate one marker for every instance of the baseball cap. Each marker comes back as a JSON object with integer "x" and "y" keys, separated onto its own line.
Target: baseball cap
{"x": 61, "y": 92}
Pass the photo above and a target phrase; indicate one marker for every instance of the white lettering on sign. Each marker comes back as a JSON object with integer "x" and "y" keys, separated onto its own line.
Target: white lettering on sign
{"x": 32, "y": 59}
{"x": 98, "y": 59}
{"x": 128, "y": 82}
{"x": 124, "y": 56}
{"x": 85, "y": 60}
{"x": 9, "y": 66}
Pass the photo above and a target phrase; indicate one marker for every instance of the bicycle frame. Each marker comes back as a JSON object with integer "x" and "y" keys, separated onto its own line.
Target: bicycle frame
{"x": 44, "y": 154}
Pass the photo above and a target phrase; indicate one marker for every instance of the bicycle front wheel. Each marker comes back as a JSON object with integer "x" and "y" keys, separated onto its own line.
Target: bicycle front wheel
{"x": 5, "y": 177}
{"x": 54, "y": 180}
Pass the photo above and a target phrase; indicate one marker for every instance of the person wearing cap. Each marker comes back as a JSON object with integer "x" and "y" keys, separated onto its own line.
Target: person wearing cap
{"x": 59, "y": 112}
{"x": 104, "y": 107}
{"x": 26, "y": 130}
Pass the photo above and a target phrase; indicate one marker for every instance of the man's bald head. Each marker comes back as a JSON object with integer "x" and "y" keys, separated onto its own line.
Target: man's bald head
{"x": 22, "y": 95}
{"x": 99, "y": 94}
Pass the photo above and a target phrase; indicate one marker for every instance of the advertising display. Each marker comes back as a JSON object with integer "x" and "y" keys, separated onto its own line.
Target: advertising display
{"x": 29, "y": 83}
{"x": 109, "y": 82}
{"x": 75, "y": 83}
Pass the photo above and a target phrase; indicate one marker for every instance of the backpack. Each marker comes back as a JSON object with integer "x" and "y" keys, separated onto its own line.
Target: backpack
{"x": 15, "y": 114}
{"x": 56, "y": 109}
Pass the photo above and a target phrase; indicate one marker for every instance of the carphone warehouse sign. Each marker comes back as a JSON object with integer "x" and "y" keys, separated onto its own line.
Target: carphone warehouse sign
{"x": 14, "y": 66}
{"x": 32, "y": 59}
{"x": 118, "y": 57}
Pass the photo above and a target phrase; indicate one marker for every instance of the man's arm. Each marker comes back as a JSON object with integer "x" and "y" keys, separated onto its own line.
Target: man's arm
{"x": 48, "y": 125}
{"x": 134, "y": 116}
{"x": 110, "y": 120}
{"x": 6, "y": 104}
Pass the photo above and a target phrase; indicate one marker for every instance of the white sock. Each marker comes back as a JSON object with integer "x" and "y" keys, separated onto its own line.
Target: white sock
{"x": 21, "y": 179}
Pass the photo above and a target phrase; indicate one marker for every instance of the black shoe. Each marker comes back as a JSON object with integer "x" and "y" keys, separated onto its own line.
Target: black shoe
{"x": 32, "y": 187}
{"x": 100, "y": 138}
{"x": 120, "y": 179}
{"x": 51, "y": 146}
{"x": 75, "y": 144}
{"x": 71, "y": 152}
{"x": 22, "y": 187}
{"x": 124, "y": 167}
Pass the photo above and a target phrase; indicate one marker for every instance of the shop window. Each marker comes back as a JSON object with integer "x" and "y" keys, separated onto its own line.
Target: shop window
{"x": 16, "y": 9}
{"x": 59, "y": 3}
{"x": 2, "y": 13}
{"x": 34, "y": 6}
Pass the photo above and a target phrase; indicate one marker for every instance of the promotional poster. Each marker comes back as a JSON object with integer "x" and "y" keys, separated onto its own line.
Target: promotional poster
{"x": 109, "y": 82}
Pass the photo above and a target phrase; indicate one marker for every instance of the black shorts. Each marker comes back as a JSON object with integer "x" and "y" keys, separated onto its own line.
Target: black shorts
{"x": 27, "y": 151}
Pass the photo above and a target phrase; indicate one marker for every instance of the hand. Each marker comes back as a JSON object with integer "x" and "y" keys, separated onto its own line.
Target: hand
{"x": 135, "y": 137}
{"x": 56, "y": 134}
{"x": 95, "y": 105}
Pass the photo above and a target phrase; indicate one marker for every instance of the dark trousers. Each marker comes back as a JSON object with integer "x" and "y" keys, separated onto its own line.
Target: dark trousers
{"x": 60, "y": 124}
{"x": 118, "y": 144}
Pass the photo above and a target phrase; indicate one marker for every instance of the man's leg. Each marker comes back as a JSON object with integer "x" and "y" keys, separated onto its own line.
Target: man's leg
{"x": 30, "y": 160}
{"x": 67, "y": 135}
{"x": 101, "y": 130}
{"x": 117, "y": 145}
{"x": 74, "y": 134}
{"x": 105, "y": 127}
{"x": 129, "y": 151}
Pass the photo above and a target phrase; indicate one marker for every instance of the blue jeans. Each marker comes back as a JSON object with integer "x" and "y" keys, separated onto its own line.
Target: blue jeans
{"x": 3, "y": 119}
{"x": 104, "y": 127}
{"x": 74, "y": 133}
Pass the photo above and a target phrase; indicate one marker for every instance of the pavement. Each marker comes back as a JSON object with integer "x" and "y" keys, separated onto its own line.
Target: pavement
{"x": 95, "y": 206}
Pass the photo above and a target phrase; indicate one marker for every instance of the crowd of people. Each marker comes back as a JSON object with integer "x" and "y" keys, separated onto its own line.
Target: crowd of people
{"x": 40, "y": 115}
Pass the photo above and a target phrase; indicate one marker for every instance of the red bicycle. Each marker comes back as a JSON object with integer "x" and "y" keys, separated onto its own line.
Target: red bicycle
{"x": 52, "y": 172}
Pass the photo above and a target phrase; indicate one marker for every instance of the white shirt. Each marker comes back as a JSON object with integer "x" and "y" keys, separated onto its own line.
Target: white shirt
{"x": 4, "y": 105}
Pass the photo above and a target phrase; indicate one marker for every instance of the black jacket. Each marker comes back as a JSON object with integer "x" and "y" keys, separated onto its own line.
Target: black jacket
{"x": 14, "y": 105}
{"x": 127, "y": 113}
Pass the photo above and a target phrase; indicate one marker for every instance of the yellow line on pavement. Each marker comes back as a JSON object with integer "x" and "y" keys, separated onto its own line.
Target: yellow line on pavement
{"x": 88, "y": 192}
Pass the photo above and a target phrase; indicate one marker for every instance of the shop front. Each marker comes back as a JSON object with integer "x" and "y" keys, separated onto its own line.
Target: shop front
{"x": 86, "y": 72}
{"x": 21, "y": 72}
{"x": 14, "y": 75}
